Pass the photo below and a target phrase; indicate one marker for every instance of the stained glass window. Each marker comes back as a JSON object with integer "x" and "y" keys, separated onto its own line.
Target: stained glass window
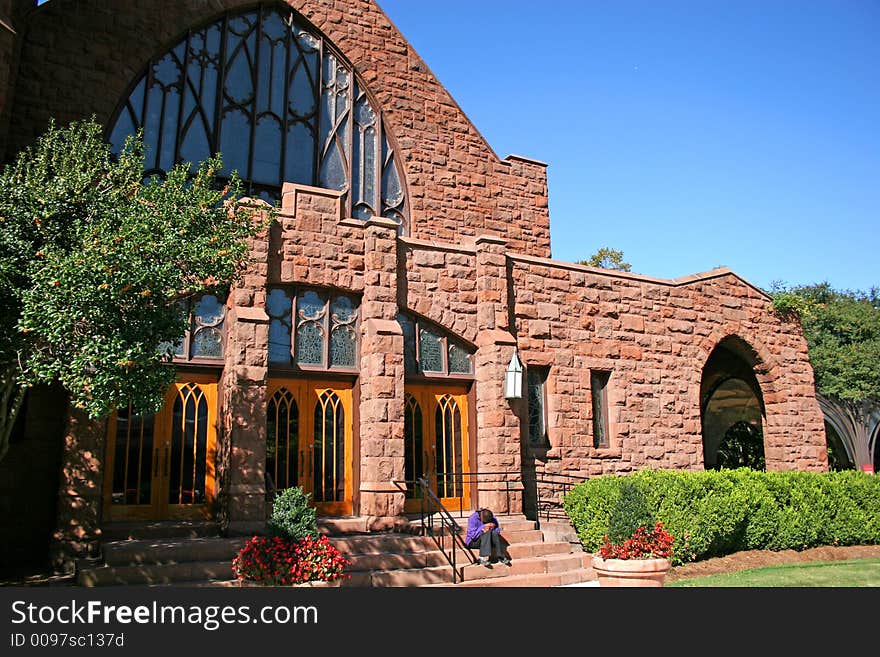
{"x": 207, "y": 339}
{"x": 310, "y": 328}
{"x": 325, "y": 333}
{"x": 205, "y": 336}
{"x": 277, "y": 100}
{"x": 460, "y": 360}
{"x": 343, "y": 339}
{"x": 429, "y": 350}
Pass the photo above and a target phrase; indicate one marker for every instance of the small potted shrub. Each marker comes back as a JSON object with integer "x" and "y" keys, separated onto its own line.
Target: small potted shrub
{"x": 636, "y": 550}
{"x": 294, "y": 553}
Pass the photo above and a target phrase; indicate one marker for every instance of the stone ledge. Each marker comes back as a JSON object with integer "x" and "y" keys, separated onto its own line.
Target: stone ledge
{"x": 491, "y": 337}
{"x": 252, "y": 315}
{"x": 375, "y": 327}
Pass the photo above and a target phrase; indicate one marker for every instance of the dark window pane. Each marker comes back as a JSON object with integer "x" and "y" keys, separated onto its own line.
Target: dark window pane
{"x": 599, "y": 392}
{"x": 282, "y": 442}
{"x": 409, "y": 344}
{"x": 413, "y": 446}
{"x": 537, "y": 431}
{"x": 329, "y": 449}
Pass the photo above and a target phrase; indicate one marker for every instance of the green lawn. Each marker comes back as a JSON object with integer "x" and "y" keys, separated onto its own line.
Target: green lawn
{"x": 858, "y": 572}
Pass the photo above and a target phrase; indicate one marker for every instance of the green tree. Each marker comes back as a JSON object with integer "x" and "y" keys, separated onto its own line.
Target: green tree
{"x": 842, "y": 329}
{"x": 93, "y": 262}
{"x": 742, "y": 447}
{"x": 607, "y": 259}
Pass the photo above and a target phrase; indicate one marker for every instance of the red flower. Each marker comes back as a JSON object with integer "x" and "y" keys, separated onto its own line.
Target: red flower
{"x": 644, "y": 544}
{"x": 279, "y": 561}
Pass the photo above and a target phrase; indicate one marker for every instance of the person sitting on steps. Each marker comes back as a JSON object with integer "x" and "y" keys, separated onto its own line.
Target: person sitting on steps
{"x": 484, "y": 533}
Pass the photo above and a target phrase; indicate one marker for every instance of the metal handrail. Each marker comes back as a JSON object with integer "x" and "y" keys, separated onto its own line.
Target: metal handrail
{"x": 447, "y": 522}
{"x": 549, "y": 488}
{"x": 558, "y": 485}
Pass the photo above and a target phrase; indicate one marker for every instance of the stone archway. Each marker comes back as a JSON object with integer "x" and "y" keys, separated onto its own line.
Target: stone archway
{"x": 731, "y": 400}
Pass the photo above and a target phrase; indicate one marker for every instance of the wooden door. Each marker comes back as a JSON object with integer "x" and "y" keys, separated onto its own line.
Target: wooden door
{"x": 309, "y": 441}
{"x": 162, "y": 466}
{"x": 437, "y": 445}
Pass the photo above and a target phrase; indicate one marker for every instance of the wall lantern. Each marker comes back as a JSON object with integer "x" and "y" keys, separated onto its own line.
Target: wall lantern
{"x": 513, "y": 379}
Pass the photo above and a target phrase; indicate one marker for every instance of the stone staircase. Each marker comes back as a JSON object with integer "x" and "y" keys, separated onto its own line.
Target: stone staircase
{"x": 160, "y": 553}
{"x": 194, "y": 554}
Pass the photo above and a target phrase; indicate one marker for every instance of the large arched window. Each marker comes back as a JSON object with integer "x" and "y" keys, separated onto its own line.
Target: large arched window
{"x": 277, "y": 100}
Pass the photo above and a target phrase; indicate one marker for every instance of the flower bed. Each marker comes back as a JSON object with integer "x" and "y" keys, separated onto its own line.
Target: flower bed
{"x": 278, "y": 561}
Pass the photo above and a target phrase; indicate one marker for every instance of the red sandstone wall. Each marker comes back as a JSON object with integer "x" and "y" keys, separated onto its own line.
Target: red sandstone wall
{"x": 656, "y": 337}
{"x": 79, "y": 58}
{"x": 441, "y": 285}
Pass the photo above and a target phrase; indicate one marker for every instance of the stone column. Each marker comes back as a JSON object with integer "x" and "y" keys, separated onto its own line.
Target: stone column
{"x": 80, "y": 493}
{"x": 243, "y": 395}
{"x": 498, "y": 427}
{"x": 381, "y": 379}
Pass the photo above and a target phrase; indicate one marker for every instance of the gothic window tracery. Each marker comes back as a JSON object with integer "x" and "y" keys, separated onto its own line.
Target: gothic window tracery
{"x": 430, "y": 351}
{"x": 277, "y": 100}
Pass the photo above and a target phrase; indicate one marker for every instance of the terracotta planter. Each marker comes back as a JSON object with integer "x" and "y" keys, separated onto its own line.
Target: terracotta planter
{"x": 630, "y": 572}
{"x": 247, "y": 583}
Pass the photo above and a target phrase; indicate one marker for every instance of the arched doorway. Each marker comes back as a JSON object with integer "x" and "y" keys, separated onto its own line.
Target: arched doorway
{"x": 732, "y": 407}
{"x": 838, "y": 456}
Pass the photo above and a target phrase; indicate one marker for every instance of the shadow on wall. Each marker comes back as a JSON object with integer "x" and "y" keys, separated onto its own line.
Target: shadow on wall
{"x": 29, "y": 478}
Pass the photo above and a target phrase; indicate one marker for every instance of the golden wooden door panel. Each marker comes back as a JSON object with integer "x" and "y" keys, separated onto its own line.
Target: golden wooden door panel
{"x": 437, "y": 442}
{"x": 317, "y": 445}
{"x": 162, "y": 465}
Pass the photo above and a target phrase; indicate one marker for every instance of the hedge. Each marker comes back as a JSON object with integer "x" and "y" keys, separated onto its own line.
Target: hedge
{"x": 714, "y": 513}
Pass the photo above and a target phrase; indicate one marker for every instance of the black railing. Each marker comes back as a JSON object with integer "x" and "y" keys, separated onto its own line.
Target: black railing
{"x": 542, "y": 496}
{"x": 542, "y": 493}
{"x": 449, "y": 538}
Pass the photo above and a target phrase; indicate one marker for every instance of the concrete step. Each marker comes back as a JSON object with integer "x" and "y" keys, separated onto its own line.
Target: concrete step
{"x": 536, "y": 549}
{"x": 168, "y": 551}
{"x": 533, "y": 580}
{"x": 123, "y": 531}
{"x": 154, "y": 575}
{"x": 381, "y": 543}
{"x": 396, "y": 561}
{"x": 409, "y": 578}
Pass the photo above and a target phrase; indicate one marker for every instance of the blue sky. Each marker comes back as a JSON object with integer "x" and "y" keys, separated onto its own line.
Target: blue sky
{"x": 688, "y": 134}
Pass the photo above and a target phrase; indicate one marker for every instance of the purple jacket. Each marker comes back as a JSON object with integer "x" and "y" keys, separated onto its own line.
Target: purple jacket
{"x": 475, "y": 526}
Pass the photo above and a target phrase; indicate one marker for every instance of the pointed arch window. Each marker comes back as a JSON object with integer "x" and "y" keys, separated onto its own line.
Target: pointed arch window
{"x": 277, "y": 100}
{"x": 431, "y": 351}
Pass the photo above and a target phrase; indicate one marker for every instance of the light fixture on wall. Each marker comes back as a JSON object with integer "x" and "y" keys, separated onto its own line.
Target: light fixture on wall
{"x": 513, "y": 379}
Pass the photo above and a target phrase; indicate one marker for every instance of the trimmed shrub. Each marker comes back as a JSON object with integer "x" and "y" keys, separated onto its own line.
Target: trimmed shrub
{"x": 292, "y": 516}
{"x": 714, "y": 513}
{"x": 629, "y": 513}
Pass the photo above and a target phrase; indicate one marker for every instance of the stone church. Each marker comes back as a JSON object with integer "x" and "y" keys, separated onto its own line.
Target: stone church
{"x": 408, "y": 276}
